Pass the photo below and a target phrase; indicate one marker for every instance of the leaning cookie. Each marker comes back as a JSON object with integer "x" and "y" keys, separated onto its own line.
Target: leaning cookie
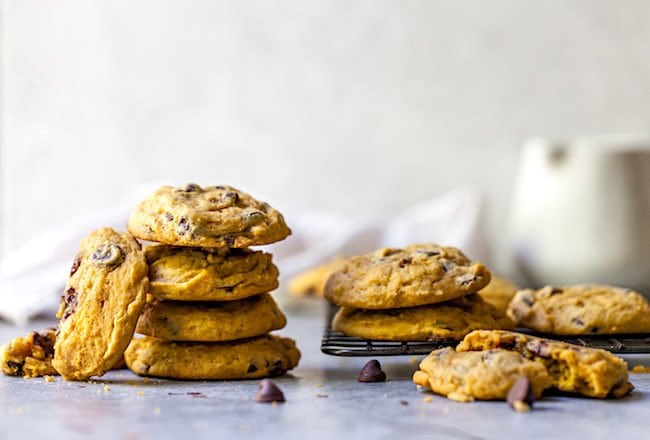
{"x": 100, "y": 306}
{"x": 449, "y": 320}
{"x": 210, "y": 322}
{"x": 214, "y": 216}
{"x": 416, "y": 275}
{"x": 29, "y": 356}
{"x": 484, "y": 375}
{"x": 580, "y": 310}
{"x": 499, "y": 292}
{"x": 192, "y": 274}
{"x": 264, "y": 356}
{"x": 587, "y": 371}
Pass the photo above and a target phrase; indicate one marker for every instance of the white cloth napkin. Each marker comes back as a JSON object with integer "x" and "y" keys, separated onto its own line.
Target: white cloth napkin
{"x": 33, "y": 277}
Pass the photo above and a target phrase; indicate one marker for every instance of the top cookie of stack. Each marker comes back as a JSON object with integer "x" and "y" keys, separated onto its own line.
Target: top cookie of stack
{"x": 208, "y": 294}
{"x": 420, "y": 292}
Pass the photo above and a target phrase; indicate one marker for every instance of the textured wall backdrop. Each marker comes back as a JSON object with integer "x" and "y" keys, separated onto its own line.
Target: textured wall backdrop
{"x": 354, "y": 106}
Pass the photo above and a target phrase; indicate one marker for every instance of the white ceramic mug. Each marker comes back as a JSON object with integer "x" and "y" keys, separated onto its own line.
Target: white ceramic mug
{"x": 581, "y": 212}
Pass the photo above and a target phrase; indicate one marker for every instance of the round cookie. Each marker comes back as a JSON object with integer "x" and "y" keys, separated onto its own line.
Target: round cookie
{"x": 413, "y": 276}
{"x": 100, "y": 305}
{"x": 30, "y": 356}
{"x": 214, "y": 216}
{"x": 210, "y": 322}
{"x": 581, "y": 310}
{"x": 263, "y": 356}
{"x": 193, "y": 274}
{"x": 499, "y": 292}
{"x": 449, "y": 320}
{"x": 312, "y": 281}
{"x": 484, "y": 375}
{"x": 588, "y": 371}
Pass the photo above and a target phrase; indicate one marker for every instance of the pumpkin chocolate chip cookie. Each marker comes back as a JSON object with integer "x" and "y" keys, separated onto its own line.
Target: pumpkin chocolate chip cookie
{"x": 312, "y": 281}
{"x": 413, "y": 276}
{"x": 193, "y": 274}
{"x": 587, "y": 371}
{"x": 210, "y": 322}
{"x": 581, "y": 309}
{"x": 484, "y": 375}
{"x": 100, "y": 305}
{"x": 263, "y": 356}
{"x": 214, "y": 216}
{"x": 449, "y": 320}
{"x": 29, "y": 356}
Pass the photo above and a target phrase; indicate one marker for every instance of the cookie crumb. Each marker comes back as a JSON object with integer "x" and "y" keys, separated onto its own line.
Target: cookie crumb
{"x": 322, "y": 395}
{"x": 521, "y": 406}
{"x": 156, "y": 411}
{"x": 107, "y": 388}
{"x": 140, "y": 393}
{"x": 48, "y": 378}
{"x": 413, "y": 360}
{"x": 427, "y": 399}
{"x": 403, "y": 402}
{"x": 642, "y": 369}
{"x": 146, "y": 380}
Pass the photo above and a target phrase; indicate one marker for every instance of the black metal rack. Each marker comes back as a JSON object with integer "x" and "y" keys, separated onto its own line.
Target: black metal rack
{"x": 338, "y": 344}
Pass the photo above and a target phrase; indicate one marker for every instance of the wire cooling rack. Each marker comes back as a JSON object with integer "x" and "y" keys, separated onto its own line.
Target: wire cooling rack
{"x": 338, "y": 344}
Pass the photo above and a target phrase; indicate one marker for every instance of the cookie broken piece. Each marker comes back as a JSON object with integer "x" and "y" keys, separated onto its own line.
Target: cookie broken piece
{"x": 587, "y": 371}
{"x": 416, "y": 275}
{"x": 449, "y": 320}
{"x": 485, "y": 375}
{"x": 581, "y": 310}
{"x": 213, "y": 216}
{"x": 193, "y": 274}
{"x": 101, "y": 304}
{"x": 29, "y": 356}
{"x": 263, "y": 356}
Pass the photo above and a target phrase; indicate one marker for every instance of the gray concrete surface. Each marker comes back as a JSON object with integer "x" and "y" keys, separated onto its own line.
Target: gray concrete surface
{"x": 324, "y": 400}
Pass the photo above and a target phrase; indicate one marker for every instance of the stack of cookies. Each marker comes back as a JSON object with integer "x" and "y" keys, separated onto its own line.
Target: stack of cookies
{"x": 418, "y": 293}
{"x": 208, "y": 312}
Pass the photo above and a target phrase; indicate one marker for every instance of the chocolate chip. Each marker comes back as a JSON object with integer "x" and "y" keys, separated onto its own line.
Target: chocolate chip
{"x": 16, "y": 367}
{"x": 446, "y": 265}
{"x": 429, "y": 253}
{"x": 538, "y": 347}
{"x": 229, "y": 239}
{"x": 269, "y": 392}
{"x": 528, "y": 299}
{"x": 253, "y": 218}
{"x": 70, "y": 301}
{"x": 521, "y": 395}
{"x": 192, "y": 187}
{"x": 556, "y": 290}
{"x": 252, "y": 368}
{"x": 109, "y": 255}
{"x": 219, "y": 187}
{"x": 75, "y": 265}
{"x": 231, "y": 198}
{"x": 169, "y": 217}
{"x": 594, "y": 330}
{"x": 277, "y": 369}
{"x": 183, "y": 226}
{"x": 403, "y": 402}
{"x": 371, "y": 372}
{"x": 42, "y": 340}
{"x": 466, "y": 279}
{"x": 578, "y": 321}
{"x": 405, "y": 262}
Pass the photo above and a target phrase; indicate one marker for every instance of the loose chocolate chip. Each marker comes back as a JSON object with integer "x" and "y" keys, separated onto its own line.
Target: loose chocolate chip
{"x": 70, "y": 301}
{"x": 169, "y": 217}
{"x": 521, "y": 395}
{"x": 269, "y": 392}
{"x": 403, "y": 402}
{"x": 75, "y": 265}
{"x": 183, "y": 226}
{"x": 371, "y": 372}
{"x": 43, "y": 341}
{"x": 108, "y": 255}
{"x": 405, "y": 262}
{"x": 578, "y": 321}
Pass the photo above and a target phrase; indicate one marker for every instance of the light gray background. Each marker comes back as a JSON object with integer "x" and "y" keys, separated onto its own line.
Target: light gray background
{"x": 352, "y": 106}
